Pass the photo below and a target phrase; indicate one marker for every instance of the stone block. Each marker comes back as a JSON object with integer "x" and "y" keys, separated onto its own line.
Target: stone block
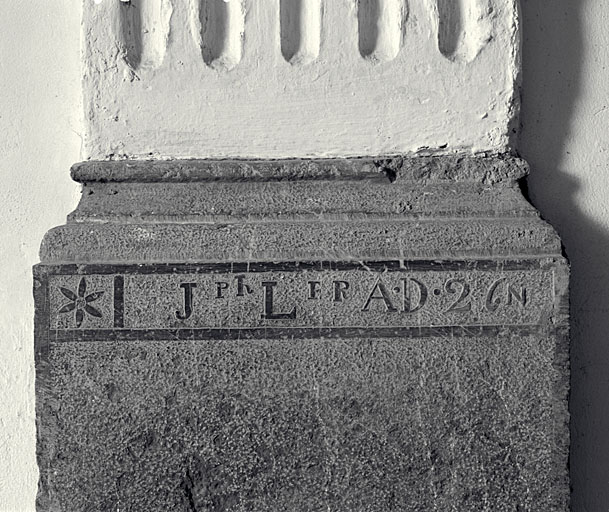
{"x": 348, "y": 335}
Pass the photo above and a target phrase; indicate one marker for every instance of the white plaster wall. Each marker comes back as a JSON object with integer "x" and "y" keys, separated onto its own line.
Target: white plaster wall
{"x": 39, "y": 139}
{"x": 565, "y": 137}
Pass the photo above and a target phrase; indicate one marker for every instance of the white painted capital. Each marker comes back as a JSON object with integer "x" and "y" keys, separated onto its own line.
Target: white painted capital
{"x": 298, "y": 78}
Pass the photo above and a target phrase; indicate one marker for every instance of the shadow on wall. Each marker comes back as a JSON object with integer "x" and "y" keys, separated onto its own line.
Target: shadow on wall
{"x": 552, "y": 84}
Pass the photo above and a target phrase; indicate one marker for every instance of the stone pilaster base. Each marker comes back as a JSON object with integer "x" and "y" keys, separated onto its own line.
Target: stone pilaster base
{"x": 336, "y": 335}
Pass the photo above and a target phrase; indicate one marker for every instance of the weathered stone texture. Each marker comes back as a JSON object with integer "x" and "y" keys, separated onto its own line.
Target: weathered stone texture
{"x": 310, "y": 356}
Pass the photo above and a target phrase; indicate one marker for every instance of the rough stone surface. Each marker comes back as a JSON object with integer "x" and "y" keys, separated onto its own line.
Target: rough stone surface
{"x": 205, "y": 79}
{"x": 486, "y": 169}
{"x": 409, "y": 355}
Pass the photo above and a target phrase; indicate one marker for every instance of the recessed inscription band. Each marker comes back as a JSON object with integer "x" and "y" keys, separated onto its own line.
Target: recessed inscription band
{"x": 298, "y": 300}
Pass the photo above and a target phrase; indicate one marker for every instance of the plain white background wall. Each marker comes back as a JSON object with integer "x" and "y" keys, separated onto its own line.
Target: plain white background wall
{"x": 39, "y": 140}
{"x": 565, "y": 138}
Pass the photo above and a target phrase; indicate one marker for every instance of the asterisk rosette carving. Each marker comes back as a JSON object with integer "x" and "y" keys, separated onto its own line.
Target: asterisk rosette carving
{"x": 80, "y": 302}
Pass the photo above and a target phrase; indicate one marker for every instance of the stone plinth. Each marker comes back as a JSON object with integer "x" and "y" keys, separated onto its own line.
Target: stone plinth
{"x": 347, "y": 335}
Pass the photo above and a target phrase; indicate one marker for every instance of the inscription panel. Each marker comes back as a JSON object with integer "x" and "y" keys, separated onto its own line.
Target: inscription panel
{"x": 281, "y": 299}
{"x": 301, "y": 386}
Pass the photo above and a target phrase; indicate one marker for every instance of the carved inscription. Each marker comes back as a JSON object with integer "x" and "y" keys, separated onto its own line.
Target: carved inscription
{"x": 406, "y": 295}
{"x": 298, "y": 295}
